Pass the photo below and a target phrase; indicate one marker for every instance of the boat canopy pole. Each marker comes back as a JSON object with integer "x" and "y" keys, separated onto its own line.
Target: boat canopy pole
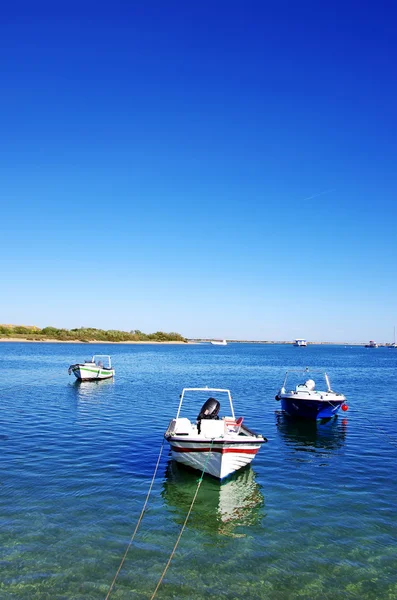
{"x": 307, "y": 370}
{"x": 103, "y": 356}
{"x": 328, "y": 383}
{"x": 205, "y": 389}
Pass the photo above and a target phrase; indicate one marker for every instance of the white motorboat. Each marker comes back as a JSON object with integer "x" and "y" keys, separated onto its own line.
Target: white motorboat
{"x": 300, "y": 342}
{"x": 304, "y": 400}
{"x": 99, "y": 367}
{"x": 218, "y": 342}
{"x": 217, "y": 446}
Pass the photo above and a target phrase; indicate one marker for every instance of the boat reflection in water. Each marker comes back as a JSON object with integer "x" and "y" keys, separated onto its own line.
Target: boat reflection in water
{"x": 88, "y": 390}
{"x": 221, "y": 507}
{"x": 311, "y": 435}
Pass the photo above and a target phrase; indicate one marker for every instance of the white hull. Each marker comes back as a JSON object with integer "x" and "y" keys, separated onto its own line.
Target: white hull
{"x": 223, "y": 343}
{"x": 219, "y": 461}
{"x": 314, "y": 395}
{"x": 212, "y": 445}
{"x": 90, "y": 372}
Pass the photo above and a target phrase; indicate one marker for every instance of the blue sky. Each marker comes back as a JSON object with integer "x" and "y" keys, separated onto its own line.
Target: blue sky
{"x": 220, "y": 169}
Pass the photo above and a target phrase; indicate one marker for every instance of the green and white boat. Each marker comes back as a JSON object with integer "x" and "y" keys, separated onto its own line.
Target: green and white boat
{"x": 99, "y": 367}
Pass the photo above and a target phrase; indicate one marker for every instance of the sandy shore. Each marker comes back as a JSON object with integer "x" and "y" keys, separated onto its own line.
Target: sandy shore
{"x": 49, "y": 341}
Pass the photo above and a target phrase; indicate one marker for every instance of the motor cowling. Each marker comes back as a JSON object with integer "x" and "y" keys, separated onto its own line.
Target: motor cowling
{"x": 209, "y": 410}
{"x": 310, "y": 384}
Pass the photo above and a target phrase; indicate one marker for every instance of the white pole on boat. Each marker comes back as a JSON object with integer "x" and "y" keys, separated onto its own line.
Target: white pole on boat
{"x": 327, "y": 381}
{"x": 180, "y": 404}
{"x": 231, "y": 403}
{"x": 285, "y": 379}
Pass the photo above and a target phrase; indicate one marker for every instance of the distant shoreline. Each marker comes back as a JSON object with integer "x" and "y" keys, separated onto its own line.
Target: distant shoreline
{"x": 52, "y": 341}
{"x": 281, "y": 343}
{"x": 179, "y": 343}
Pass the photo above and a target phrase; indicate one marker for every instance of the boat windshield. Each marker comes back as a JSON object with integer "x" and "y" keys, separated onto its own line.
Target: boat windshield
{"x": 193, "y": 399}
{"x": 102, "y": 360}
{"x": 302, "y": 379}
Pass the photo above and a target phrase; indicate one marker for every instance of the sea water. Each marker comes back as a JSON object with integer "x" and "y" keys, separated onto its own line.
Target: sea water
{"x": 313, "y": 517}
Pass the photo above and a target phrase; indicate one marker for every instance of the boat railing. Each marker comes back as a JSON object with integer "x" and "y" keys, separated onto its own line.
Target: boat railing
{"x": 96, "y": 359}
{"x": 307, "y": 371}
{"x": 205, "y": 389}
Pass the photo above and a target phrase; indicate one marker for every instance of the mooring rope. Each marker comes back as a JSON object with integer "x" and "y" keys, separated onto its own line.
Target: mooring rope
{"x": 184, "y": 524}
{"x": 138, "y": 523}
{"x": 392, "y": 441}
{"x": 380, "y": 431}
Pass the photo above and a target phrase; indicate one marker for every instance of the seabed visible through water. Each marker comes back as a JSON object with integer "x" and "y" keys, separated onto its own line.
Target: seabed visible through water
{"x": 314, "y": 517}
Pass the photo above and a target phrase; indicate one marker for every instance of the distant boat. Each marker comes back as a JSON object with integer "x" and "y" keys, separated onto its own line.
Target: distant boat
{"x": 218, "y": 342}
{"x": 371, "y": 344}
{"x": 94, "y": 369}
{"x": 300, "y": 342}
{"x": 393, "y": 345}
{"x": 307, "y": 402}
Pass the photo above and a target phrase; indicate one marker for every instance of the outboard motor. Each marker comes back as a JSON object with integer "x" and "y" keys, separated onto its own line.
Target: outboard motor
{"x": 209, "y": 410}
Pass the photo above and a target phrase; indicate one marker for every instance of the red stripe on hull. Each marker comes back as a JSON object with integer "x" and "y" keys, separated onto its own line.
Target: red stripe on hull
{"x": 219, "y": 450}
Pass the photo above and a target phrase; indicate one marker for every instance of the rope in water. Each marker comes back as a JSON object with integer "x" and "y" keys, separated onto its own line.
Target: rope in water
{"x": 184, "y": 524}
{"x": 138, "y": 523}
{"x": 380, "y": 431}
{"x": 392, "y": 441}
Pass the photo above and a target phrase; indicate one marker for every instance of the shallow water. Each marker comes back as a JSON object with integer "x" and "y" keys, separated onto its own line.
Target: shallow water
{"x": 314, "y": 516}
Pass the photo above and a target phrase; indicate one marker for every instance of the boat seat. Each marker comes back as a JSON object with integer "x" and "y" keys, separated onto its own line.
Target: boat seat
{"x": 233, "y": 424}
{"x": 183, "y": 426}
{"x": 308, "y": 386}
{"x": 212, "y": 429}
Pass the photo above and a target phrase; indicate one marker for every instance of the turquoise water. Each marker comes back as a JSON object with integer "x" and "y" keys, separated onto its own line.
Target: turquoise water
{"x": 314, "y": 516}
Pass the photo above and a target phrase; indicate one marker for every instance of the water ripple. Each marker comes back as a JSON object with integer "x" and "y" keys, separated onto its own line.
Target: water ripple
{"x": 314, "y": 517}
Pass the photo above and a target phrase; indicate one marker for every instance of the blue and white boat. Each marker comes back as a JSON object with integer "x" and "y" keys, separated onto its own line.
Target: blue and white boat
{"x": 300, "y": 343}
{"x": 307, "y": 402}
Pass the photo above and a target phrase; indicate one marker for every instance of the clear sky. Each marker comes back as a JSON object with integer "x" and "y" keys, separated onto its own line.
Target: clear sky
{"x": 216, "y": 168}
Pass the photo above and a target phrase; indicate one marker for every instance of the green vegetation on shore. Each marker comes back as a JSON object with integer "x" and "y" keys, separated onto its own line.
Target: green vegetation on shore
{"x": 86, "y": 334}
